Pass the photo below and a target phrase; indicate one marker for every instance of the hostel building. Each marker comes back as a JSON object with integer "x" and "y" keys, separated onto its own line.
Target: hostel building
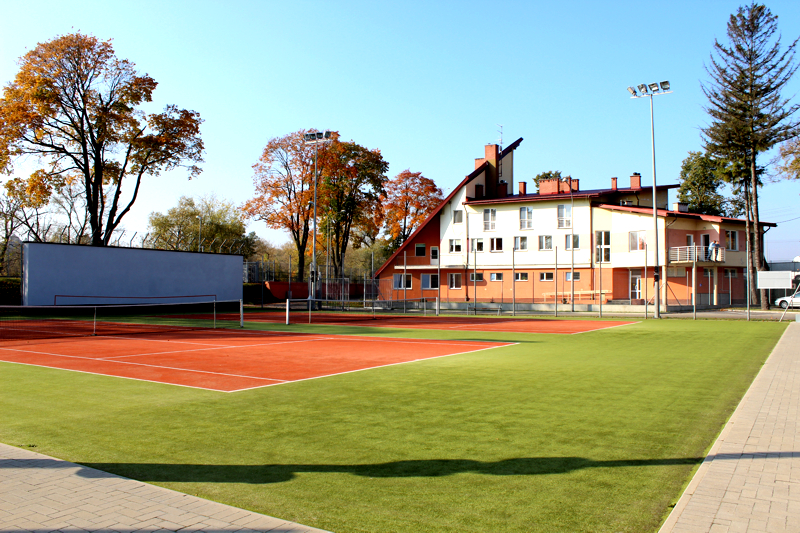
{"x": 492, "y": 242}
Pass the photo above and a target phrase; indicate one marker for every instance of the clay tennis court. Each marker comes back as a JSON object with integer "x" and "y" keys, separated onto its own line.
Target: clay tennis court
{"x": 227, "y": 360}
{"x": 460, "y": 323}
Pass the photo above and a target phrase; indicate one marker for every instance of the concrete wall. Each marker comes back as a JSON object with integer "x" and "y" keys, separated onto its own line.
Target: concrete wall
{"x": 66, "y": 274}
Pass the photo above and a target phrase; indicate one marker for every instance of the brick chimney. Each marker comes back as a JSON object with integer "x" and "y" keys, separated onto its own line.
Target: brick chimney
{"x": 523, "y": 188}
{"x": 636, "y": 181}
{"x": 548, "y": 186}
{"x": 613, "y": 184}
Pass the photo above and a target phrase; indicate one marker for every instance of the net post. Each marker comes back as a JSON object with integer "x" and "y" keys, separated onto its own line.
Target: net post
{"x": 241, "y": 313}
{"x": 215, "y": 314}
{"x": 94, "y": 323}
{"x": 287, "y": 311}
{"x": 437, "y": 306}
{"x": 424, "y": 307}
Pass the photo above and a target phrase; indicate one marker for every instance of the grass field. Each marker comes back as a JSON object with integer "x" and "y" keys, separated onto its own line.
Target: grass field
{"x": 592, "y": 432}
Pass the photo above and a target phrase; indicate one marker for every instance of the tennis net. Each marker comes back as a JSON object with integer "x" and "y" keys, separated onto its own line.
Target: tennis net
{"x": 46, "y": 322}
{"x": 310, "y": 311}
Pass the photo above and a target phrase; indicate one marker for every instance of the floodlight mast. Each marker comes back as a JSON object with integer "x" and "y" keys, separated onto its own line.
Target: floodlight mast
{"x": 647, "y": 91}
{"x": 315, "y": 137}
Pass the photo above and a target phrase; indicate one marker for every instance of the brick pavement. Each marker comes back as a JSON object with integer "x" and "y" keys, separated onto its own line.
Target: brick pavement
{"x": 43, "y": 495}
{"x": 750, "y": 480}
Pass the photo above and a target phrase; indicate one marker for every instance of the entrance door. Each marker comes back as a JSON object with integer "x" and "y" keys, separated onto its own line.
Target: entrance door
{"x": 636, "y": 285}
{"x": 434, "y": 255}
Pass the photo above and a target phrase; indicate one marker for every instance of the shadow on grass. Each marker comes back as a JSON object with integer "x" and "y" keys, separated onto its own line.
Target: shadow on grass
{"x": 260, "y": 474}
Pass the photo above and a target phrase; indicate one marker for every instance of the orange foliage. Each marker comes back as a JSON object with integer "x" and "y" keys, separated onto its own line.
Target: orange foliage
{"x": 284, "y": 188}
{"x": 73, "y": 105}
{"x": 410, "y": 197}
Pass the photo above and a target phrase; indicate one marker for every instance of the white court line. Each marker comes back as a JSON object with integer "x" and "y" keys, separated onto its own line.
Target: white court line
{"x": 374, "y": 367}
{"x": 607, "y": 327}
{"x": 275, "y": 381}
{"x": 210, "y": 347}
{"x": 137, "y": 364}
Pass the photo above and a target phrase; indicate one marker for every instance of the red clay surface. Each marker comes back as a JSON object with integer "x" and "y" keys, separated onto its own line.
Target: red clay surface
{"x": 465, "y": 323}
{"x": 226, "y": 360}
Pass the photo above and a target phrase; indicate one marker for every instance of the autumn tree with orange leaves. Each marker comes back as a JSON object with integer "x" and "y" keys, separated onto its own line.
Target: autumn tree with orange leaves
{"x": 284, "y": 190}
{"x": 352, "y": 183}
{"x": 410, "y": 197}
{"x": 74, "y": 106}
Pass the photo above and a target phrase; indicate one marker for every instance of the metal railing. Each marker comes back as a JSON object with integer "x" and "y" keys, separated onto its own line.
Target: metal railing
{"x": 688, "y": 254}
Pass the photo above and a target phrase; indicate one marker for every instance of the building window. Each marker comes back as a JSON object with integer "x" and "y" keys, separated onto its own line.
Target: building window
{"x": 545, "y": 242}
{"x": 730, "y": 273}
{"x": 419, "y": 250}
{"x": 430, "y": 281}
{"x": 525, "y": 218}
{"x": 520, "y": 276}
{"x": 497, "y": 244}
{"x": 708, "y": 273}
{"x": 458, "y": 216}
{"x": 477, "y": 245}
{"x": 637, "y": 240}
{"x": 520, "y": 243}
{"x": 572, "y": 242}
{"x": 689, "y": 240}
{"x": 397, "y": 281}
{"x": 676, "y": 272}
{"x": 564, "y": 216}
{"x": 496, "y": 276}
{"x": 603, "y": 244}
{"x": 434, "y": 253}
{"x": 454, "y": 281}
{"x": 475, "y": 276}
{"x": 455, "y": 246}
{"x": 732, "y": 240}
{"x": 545, "y": 276}
{"x": 489, "y": 218}
{"x": 568, "y": 276}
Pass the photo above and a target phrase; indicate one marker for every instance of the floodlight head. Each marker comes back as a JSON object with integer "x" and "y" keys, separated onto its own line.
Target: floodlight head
{"x": 632, "y": 91}
{"x": 309, "y": 136}
{"x": 653, "y": 87}
{"x": 665, "y": 85}
{"x": 642, "y": 88}
{"x": 328, "y": 134}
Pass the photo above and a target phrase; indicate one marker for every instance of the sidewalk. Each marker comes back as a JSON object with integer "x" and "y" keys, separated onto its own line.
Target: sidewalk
{"x": 750, "y": 480}
{"x": 41, "y": 494}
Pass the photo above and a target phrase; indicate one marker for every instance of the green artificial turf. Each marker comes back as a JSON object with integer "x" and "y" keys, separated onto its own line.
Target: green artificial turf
{"x": 592, "y": 432}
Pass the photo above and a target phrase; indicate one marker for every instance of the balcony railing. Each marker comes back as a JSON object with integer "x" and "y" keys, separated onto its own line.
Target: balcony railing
{"x": 699, "y": 254}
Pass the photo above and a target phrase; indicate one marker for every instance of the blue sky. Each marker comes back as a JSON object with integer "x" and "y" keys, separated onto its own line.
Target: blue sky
{"x": 426, "y": 82}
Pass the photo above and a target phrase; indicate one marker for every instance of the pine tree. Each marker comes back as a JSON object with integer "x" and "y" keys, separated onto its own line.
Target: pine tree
{"x": 748, "y": 114}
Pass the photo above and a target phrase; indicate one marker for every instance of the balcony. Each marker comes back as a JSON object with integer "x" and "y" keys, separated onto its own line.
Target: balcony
{"x": 695, "y": 254}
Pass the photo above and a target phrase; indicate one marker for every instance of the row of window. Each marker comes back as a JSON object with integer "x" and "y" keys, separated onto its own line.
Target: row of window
{"x": 520, "y": 243}
{"x": 564, "y": 214}
{"x": 431, "y": 281}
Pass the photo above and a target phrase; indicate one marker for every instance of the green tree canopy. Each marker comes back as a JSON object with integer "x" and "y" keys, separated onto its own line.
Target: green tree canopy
{"x": 207, "y": 224}
{"x": 700, "y": 183}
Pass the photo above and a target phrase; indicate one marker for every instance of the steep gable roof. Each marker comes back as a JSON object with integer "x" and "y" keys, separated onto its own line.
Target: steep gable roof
{"x": 471, "y": 176}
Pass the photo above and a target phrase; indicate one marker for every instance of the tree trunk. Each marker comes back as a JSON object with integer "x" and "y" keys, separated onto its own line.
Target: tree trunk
{"x": 749, "y": 237}
{"x": 758, "y": 242}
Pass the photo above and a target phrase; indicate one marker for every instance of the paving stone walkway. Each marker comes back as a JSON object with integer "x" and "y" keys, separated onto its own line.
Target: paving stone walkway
{"x": 45, "y": 495}
{"x": 750, "y": 480}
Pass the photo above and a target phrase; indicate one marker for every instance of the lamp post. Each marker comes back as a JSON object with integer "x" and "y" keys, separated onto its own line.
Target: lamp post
{"x": 200, "y": 234}
{"x": 571, "y": 243}
{"x": 648, "y": 90}
{"x": 315, "y": 137}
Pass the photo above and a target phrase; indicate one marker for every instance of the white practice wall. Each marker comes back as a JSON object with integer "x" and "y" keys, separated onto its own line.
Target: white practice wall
{"x": 68, "y": 274}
